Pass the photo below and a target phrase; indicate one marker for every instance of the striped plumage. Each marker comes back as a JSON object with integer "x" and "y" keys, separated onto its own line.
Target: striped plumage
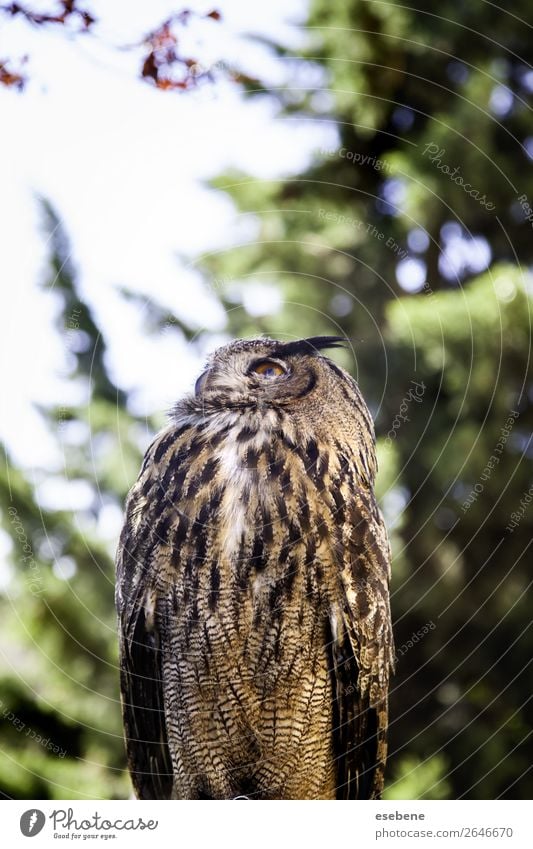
{"x": 252, "y": 587}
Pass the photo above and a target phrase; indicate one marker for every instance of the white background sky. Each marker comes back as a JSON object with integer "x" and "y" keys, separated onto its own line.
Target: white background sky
{"x": 123, "y": 165}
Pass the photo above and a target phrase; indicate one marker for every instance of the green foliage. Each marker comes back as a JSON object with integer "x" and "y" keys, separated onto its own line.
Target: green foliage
{"x": 416, "y": 779}
{"x": 60, "y": 710}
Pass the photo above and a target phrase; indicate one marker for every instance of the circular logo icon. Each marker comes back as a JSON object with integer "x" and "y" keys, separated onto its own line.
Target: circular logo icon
{"x": 32, "y": 822}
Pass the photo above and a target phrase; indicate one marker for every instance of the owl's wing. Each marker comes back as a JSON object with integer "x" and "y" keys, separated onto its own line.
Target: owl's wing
{"x": 140, "y": 551}
{"x": 362, "y": 652}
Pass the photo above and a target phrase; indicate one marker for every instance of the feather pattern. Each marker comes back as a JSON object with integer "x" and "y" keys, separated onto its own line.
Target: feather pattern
{"x": 252, "y": 589}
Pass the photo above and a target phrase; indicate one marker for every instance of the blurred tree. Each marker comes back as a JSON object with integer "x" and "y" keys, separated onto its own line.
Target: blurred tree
{"x": 383, "y": 238}
{"x": 60, "y": 714}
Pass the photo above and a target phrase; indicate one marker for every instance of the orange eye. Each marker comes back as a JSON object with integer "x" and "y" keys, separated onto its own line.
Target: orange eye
{"x": 268, "y": 368}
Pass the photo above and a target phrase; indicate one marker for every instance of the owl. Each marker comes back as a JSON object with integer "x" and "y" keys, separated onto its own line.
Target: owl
{"x": 253, "y": 587}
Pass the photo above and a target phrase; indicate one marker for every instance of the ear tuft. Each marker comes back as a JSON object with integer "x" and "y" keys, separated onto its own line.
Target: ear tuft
{"x": 308, "y": 346}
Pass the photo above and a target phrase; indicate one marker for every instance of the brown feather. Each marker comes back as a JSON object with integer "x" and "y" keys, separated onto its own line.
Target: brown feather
{"x": 252, "y": 589}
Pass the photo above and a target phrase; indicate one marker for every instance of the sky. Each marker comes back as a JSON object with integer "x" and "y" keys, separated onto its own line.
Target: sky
{"x": 125, "y": 166}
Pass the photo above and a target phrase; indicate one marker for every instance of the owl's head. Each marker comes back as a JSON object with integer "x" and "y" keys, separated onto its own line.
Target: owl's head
{"x": 265, "y": 379}
{"x": 264, "y": 372}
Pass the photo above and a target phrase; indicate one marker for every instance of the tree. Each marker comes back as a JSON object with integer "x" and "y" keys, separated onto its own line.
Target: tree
{"x": 60, "y": 719}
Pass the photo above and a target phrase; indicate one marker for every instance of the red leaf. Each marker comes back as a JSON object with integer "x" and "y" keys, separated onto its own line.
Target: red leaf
{"x": 11, "y": 78}
{"x": 150, "y": 68}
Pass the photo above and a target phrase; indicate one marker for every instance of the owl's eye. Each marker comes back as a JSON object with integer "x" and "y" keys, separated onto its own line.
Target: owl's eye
{"x": 268, "y": 369}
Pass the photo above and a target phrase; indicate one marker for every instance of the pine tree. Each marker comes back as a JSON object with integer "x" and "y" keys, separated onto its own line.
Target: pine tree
{"x": 60, "y": 707}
